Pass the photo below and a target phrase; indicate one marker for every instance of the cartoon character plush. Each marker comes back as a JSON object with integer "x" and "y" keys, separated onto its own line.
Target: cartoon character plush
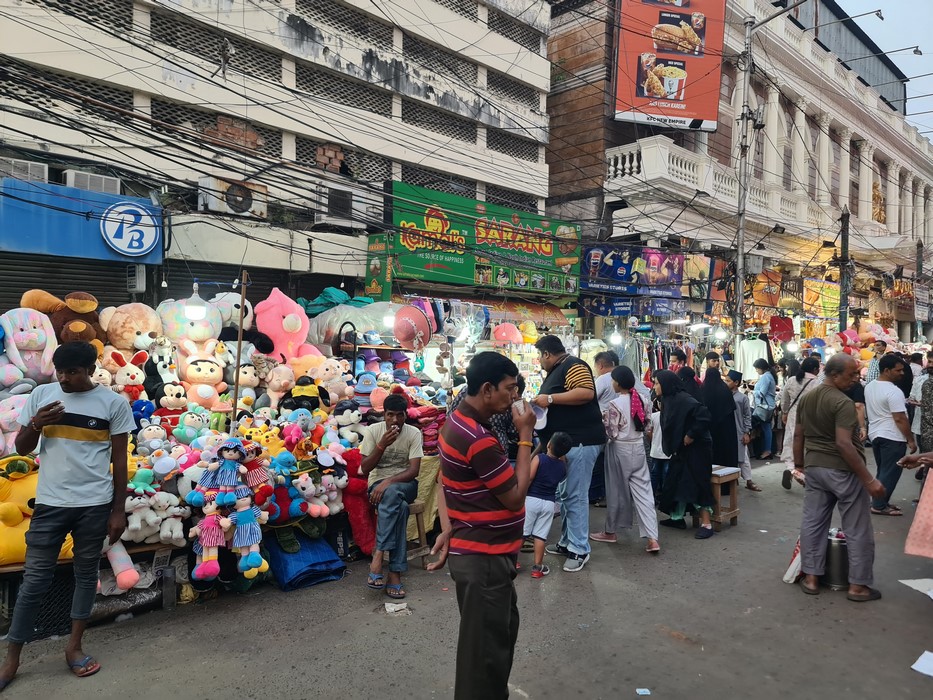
{"x": 130, "y": 328}
{"x": 305, "y": 394}
{"x": 102, "y": 377}
{"x": 248, "y": 381}
{"x": 142, "y": 522}
{"x": 286, "y": 323}
{"x": 333, "y": 492}
{"x": 189, "y": 335}
{"x": 74, "y": 318}
{"x": 130, "y": 375}
{"x": 283, "y": 466}
{"x": 279, "y": 382}
{"x": 191, "y": 425}
{"x": 10, "y": 408}
{"x": 162, "y": 366}
{"x": 348, "y": 416}
{"x": 311, "y": 492}
{"x": 17, "y": 502}
{"x": 203, "y": 374}
{"x": 28, "y": 342}
{"x": 284, "y": 504}
{"x": 173, "y": 400}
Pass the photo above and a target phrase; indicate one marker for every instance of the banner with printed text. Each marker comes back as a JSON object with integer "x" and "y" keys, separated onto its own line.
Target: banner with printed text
{"x": 821, "y": 298}
{"x": 448, "y": 239}
{"x": 632, "y": 270}
{"x": 669, "y": 62}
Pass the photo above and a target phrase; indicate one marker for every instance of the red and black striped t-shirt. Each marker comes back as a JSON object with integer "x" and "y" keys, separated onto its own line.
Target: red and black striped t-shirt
{"x": 474, "y": 469}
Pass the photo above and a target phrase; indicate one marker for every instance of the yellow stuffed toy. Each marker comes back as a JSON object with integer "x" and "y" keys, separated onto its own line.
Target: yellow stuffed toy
{"x": 17, "y": 491}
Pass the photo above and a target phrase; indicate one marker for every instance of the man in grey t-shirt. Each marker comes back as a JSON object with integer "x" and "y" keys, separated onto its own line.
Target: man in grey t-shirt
{"x": 604, "y": 362}
{"x": 83, "y": 428}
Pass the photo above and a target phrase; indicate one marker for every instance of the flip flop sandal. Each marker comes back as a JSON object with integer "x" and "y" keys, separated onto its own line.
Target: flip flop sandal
{"x": 394, "y": 590}
{"x": 886, "y": 511}
{"x": 873, "y": 594}
{"x": 806, "y": 589}
{"x": 753, "y": 487}
{"x": 376, "y": 581}
{"x": 84, "y": 663}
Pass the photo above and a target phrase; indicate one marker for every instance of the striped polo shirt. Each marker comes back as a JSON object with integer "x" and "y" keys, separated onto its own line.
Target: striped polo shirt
{"x": 474, "y": 468}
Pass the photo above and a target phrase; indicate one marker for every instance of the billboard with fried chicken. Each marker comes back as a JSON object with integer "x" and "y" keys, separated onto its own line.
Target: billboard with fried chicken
{"x": 669, "y": 62}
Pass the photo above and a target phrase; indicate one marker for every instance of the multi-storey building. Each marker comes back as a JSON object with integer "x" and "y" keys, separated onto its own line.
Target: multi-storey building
{"x": 305, "y": 107}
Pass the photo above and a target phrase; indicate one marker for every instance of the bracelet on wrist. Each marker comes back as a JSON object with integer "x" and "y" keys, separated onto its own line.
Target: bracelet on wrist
{"x": 32, "y": 424}
{"x": 525, "y": 443}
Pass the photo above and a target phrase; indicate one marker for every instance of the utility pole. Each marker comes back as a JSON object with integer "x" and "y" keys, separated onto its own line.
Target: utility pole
{"x": 751, "y": 25}
{"x": 845, "y": 281}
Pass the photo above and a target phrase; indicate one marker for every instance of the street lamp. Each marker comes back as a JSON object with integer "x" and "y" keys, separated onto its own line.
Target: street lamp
{"x": 876, "y": 13}
{"x": 915, "y": 49}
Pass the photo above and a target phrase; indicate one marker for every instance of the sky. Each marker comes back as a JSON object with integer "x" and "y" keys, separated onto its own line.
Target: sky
{"x": 906, "y": 23}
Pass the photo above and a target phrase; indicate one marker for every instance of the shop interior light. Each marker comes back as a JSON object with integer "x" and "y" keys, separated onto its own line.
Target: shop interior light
{"x": 464, "y": 334}
{"x": 195, "y": 307}
{"x": 388, "y": 320}
{"x": 678, "y": 322}
{"x": 792, "y": 346}
{"x": 720, "y": 334}
{"x": 699, "y": 326}
{"x": 615, "y": 338}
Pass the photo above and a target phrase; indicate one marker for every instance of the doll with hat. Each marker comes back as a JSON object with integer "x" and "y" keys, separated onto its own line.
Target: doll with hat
{"x": 246, "y": 518}
{"x": 210, "y": 536}
{"x": 230, "y": 457}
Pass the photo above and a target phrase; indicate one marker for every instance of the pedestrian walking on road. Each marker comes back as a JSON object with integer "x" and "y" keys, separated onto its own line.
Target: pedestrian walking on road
{"x": 685, "y": 425}
{"x": 569, "y": 395}
{"x": 888, "y": 429}
{"x": 481, "y": 503}
{"x": 828, "y": 448}
{"x": 604, "y": 362}
{"x": 628, "y": 479}
{"x": 794, "y": 389}
{"x": 716, "y": 396}
{"x": 743, "y": 426}
{"x": 765, "y": 394}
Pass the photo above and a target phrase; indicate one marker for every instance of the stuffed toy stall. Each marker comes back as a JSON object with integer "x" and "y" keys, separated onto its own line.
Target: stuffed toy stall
{"x": 262, "y": 479}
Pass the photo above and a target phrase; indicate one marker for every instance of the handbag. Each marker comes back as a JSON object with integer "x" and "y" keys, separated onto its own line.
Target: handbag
{"x": 762, "y": 414}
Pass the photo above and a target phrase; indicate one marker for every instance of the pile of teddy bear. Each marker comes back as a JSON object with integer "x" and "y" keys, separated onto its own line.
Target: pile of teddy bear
{"x": 284, "y": 452}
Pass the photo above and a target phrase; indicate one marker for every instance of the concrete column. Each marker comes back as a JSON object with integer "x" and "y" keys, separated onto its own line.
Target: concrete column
{"x": 845, "y": 164}
{"x": 893, "y": 197}
{"x": 916, "y": 209}
{"x": 701, "y": 139}
{"x": 824, "y": 158}
{"x": 865, "y": 180}
{"x": 773, "y": 159}
{"x": 801, "y": 147}
{"x": 927, "y": 215}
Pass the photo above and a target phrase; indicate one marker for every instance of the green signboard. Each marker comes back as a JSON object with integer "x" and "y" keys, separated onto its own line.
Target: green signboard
{"x": 444, "y": 238}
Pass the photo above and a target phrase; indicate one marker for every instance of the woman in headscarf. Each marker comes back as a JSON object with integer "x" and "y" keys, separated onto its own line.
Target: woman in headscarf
{"x": 690, "y": 384}
{"x": 794, "y": 388}
{"x": 628, "y": 479}
{"x": 716, "y": 396}
{"x": 685, "y": 428}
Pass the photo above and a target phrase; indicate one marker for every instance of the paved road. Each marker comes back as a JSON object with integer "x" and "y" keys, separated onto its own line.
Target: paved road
{"x": 705, "y": 619}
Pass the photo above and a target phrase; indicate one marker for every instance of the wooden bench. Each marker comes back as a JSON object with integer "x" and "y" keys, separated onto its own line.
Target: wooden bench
{"x": 421, "y": 547}
{"x": 728, "y": 477}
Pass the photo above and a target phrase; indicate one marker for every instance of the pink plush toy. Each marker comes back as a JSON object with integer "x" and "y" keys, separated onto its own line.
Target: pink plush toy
{"x": 203, "y": 375}
{"x": 283, "y": 320}
{"x": 28, "y": 344}
{"x": 123, "y": 570}
{"x": 311, "y": 493}
{"x": 210, "y": 536}
{"x": 10, "y": 409}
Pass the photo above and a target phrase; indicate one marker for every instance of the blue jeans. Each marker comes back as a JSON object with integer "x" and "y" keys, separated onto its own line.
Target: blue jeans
{"x": 658, "y": 472}
{"x": 598, "y": 484}
{"x": 573, "y": 494}
{"x": 44, "y": 539}
{"x": 392, "y": 522}
{"x": 887, "y": 453}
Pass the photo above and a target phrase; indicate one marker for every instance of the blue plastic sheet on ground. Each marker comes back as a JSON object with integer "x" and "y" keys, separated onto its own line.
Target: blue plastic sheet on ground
{"x": 314, "y": 563}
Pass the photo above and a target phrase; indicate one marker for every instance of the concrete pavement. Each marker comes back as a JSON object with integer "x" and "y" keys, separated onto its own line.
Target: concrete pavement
{"x": 705, "y": 619}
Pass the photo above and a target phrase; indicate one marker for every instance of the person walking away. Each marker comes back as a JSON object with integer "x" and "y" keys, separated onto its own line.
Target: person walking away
{"x": 569, "y": 395}
{"x": 827, "y": 448}
{"x": 880, "y": 348}
{"x": 888, "y": 429}
{"x": 765, "y": 395}
{"x": 481, "y": 503}
{"x": 716, "y": 396}
{"x": 84, "y": 429}
{"x": 605, "y": 362}
{"x": 659, "y": 460}
{"x": 628, "y": 479}
{"x": 915, "y": 400}
{"x": 685, "y": 425}
{"x": 392, "y": 451}
{"x": 743, "y": 426}
{"x": 794, "y": 389}
{"x": 548, "y": 469}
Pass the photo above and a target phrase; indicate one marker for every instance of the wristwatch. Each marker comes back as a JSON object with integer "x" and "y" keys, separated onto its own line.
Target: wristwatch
{"x": 550, "y": 399}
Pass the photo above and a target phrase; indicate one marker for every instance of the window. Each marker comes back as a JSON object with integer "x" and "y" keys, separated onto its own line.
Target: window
{"x": 505, "y": 142}
{"x": 362, "y": 29}
{"x": 436, "y": 180}
{"x": 511, "y": 198}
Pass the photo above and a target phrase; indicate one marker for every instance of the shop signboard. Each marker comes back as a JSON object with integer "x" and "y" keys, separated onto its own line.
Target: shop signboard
{"x": 766, "y": 290}
{"x": 821, "y": 298}
{"x": 378, "y": 268}
{"x": 632, "y": 306}
{"x": 696, "y": 277}
{"x": 921, "y": 302}
{"x": 669, "y": 62}
{"x": 73, "y": 223}
{"x": 632, "y": 270}
{"x": 443, "y": 238}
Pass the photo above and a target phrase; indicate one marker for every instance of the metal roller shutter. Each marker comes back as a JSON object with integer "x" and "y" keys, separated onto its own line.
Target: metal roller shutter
{"x": 20, "y": 272}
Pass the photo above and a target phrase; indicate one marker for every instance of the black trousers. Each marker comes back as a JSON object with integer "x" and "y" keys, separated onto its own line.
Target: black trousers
{"x": 488, "y": 624}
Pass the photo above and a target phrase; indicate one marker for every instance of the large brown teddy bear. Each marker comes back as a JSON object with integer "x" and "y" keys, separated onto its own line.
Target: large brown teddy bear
{"x": 74, "y": 318}
{"x": 130, "y": 328}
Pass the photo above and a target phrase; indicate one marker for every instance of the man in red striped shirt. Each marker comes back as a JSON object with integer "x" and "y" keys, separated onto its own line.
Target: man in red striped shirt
{"x": 482, "y": 508}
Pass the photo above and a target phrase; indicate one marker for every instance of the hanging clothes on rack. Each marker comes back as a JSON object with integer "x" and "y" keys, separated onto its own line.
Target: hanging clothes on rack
{"x": 749, "y": 350}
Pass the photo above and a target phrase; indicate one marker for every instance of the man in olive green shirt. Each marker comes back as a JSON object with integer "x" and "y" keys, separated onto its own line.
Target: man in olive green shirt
{"x": 827, "y": 445}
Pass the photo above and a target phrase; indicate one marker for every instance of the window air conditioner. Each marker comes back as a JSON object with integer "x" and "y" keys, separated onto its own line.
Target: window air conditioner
{"x": 24, "y": 170}
{"x": 92, "y": 182}
{"x": 233, "y": 197}
{"x": 136, "y": 278}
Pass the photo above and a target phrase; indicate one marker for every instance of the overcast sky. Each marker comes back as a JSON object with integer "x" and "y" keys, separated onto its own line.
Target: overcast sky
{"x": 906, "y": 23}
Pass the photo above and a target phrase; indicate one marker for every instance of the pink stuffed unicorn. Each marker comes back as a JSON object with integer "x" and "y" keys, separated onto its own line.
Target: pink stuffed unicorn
{"x": 283, "y": 320}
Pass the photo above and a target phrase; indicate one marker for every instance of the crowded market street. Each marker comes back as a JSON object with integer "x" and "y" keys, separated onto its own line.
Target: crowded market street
{"x": 703, "y": 620}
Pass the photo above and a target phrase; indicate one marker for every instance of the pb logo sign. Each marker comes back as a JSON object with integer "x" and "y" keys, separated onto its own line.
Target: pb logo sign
{"x": 130, "y": 229}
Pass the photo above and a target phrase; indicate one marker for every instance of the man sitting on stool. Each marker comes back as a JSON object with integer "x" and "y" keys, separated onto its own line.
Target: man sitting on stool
{"x": 392, "y": 453}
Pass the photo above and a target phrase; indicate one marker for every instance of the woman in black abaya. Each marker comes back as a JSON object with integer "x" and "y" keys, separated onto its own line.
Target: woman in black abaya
{"x": 685, "y": 430}
{"x": 718, "y": 399}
